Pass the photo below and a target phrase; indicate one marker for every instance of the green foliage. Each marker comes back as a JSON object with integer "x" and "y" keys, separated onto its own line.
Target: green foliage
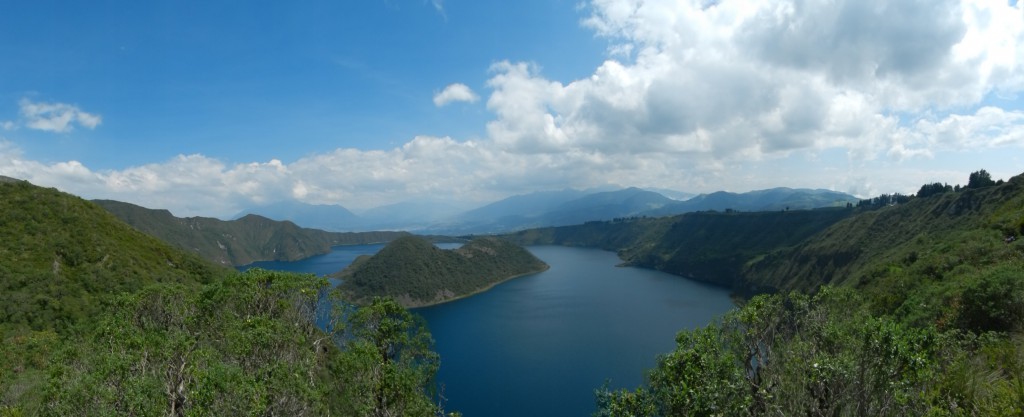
{"x": 884, "y": 200}
{"x": 98, "y": 318}
{"x": 826, "y": 355}
{"x": 416, "y": 273}
{"x": 927, "y": 322}
{"x": 699, "y": 377}
{"x": 245, "y": 346}
{"x": 388, "y": 361}
{"x": 898, "y": 251}
{"x": 928, "y": 190}
{"x": 994, "y": 300}
{"x": 61, "y": 255}
{"x": 979, "y": 179}
{"x": 239, "y": 242}
{"x": 706, "y": 246}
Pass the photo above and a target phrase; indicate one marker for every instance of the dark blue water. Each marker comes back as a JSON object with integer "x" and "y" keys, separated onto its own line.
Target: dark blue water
{"x": 339, "y": 258}
{"x": 539, "y": 345}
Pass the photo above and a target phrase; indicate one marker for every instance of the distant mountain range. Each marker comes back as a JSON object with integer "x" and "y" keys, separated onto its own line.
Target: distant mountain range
{"x": 323, "y": 217}
{"x": 568, "y": 207}
{"x": 772, "y": 199}
{"x": 408, "y": 215}
{"x": 545, "y": 208}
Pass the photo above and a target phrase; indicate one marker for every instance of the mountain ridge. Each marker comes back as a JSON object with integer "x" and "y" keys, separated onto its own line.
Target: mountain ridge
{"x": 59, "y": 254}
{"x": 242, "y": 241}
{"x": 328, "y": 217}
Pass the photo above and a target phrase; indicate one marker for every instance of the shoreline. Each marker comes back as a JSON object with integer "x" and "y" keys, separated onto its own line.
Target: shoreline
{"x": 481, "y": 290}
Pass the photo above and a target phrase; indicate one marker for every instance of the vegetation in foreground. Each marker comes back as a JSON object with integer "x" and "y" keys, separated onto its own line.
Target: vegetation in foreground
{"x": 828, "y": 355}
{"x": 926, "y": 318}
{"x": 247, "y": 345}
{"x": 98, "y": 318}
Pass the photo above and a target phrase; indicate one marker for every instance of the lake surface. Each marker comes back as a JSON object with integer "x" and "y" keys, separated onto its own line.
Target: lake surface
{"x": 329, "y": 263}
{"x": 540, "y": 345}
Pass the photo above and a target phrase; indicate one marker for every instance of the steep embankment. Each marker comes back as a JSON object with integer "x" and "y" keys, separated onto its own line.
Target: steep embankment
{"x": 417, "y": 273}
{"x": 706, "y": 246}
{"x": 242, "y": 241}
{"x": 60, "y": 253}
{"x": 924, "y": 315}
{"x": 924, "y": 258}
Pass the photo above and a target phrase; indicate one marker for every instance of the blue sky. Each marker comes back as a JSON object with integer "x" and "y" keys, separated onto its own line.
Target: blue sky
{"x": 209, "y": 107}
{"x": 235, "y": 80}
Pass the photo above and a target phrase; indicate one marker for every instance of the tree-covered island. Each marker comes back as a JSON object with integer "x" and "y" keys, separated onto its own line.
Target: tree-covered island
{"x": 417, "y": 273}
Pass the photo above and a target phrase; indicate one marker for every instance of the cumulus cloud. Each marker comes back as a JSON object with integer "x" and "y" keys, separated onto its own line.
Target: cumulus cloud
{"x": 54, "y": 117}
{"x": 425, "y": 167}
{"x": 455, "y": 92}
{"x": 710, "y": 84}
{"x": 694, "y": 95}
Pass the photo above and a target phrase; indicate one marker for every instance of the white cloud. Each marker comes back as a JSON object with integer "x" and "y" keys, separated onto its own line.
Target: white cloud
{"x": 54, "y": 117}
{"x": 439, "y": 7}
{"x": 854, "y": 95}
{"x": 745, "y": 80}
{"x": 455, "y": 92}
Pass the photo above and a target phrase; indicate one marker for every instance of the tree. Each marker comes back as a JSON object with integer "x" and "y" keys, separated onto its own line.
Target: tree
{"x": 933, "y": 189}
{"x": 790, "y": 355}
{"x": 980, "y": 179}
{"x": 248, "y": 345}
{"x": 388, "y": 362}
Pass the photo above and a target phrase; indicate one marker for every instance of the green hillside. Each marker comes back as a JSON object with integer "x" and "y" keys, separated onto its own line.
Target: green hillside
{"x": 705, "y": 246}
{"x": 59, "y": 253}
{"x": 922, "y": 259}
{"x": 908, "y": 309}
{"x": 239, "y": 242}
{"x": 417, "y": 273}
{"x": 98, "y": 318}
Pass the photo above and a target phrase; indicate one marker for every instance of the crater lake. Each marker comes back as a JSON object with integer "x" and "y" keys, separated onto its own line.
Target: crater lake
{"x": 540, "y": 345}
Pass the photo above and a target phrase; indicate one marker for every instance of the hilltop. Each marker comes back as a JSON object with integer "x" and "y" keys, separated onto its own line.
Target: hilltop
{"x": 242, "y": 241}
{"x": 417, "y": 273}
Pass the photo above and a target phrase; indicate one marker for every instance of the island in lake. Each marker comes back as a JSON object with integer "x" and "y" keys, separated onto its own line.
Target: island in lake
{"x": 416, "y": 273}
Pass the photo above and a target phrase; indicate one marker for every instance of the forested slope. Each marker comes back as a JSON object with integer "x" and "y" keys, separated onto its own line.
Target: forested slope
{"x": 912, "y": 309}
{"x": 417, "y": 273}
{"x": 59, "y": 253}
{"x": 706, "y": 246}
{"x": 919, "y": 257}
{"x": 242, "y": 241}
{"x": 98, "y": 318}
